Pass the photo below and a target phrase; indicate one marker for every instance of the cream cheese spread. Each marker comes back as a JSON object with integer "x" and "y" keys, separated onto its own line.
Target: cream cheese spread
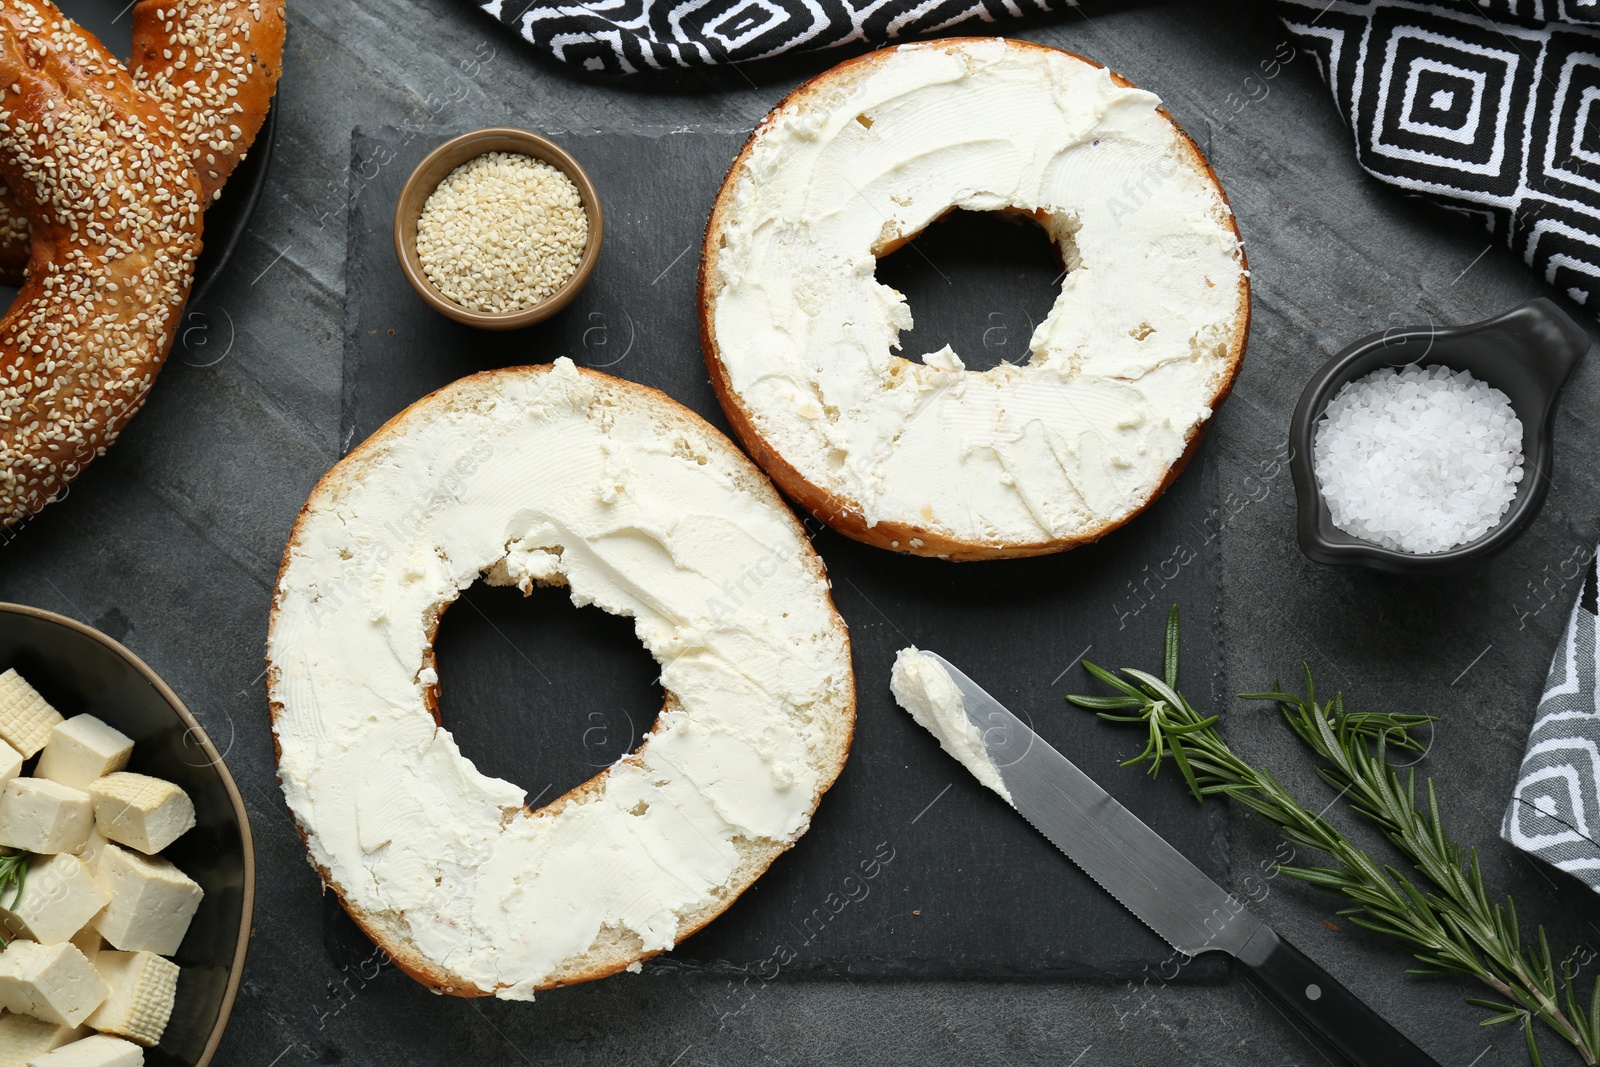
{"x": 550, "y": 475}
{"x": 1137, "y": 346}
{"x": 923, "y": 687}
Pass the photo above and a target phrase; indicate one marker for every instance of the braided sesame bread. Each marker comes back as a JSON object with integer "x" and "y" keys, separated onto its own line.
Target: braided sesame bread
{"x": 114, "y": 205}
{"x": 213, "y": 65}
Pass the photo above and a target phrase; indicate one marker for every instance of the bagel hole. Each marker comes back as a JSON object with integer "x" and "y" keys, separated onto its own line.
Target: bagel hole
{"x": 978, "y": 281}
{"x": 540, "y": 692}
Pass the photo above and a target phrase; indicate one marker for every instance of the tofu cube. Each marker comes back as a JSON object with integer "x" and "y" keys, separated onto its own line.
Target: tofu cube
{"x": 59, "y": 896}
{"x": 50, "y": 982}
{"x": 140, "y": 811}
{"x": 82, "y": 749}
{"x": 152, "y": 902}
{"x": 26, "y": 718}
{"x": 10, "y": 763}
{"x": 38, "y": 815}
{"x": 143, "y": 987}
{"x": 24, "y": 1038}
{"x": 95, "y": 1051}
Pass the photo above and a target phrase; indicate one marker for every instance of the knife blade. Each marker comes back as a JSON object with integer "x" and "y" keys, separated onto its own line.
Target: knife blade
{"x": 1156, "y": 882}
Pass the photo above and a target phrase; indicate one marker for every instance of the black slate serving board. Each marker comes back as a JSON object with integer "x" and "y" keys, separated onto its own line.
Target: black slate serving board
{"x": 910, "y": 868}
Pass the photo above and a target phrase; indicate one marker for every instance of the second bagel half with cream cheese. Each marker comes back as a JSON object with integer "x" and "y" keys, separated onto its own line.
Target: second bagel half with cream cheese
{"x": 928, "y": 457}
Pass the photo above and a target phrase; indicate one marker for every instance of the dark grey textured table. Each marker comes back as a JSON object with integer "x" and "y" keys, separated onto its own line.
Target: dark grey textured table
{"x": 247, "y": 417}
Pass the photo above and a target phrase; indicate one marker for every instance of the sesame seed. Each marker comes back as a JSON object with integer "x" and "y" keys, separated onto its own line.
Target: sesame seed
{"x": 502, "y": 232}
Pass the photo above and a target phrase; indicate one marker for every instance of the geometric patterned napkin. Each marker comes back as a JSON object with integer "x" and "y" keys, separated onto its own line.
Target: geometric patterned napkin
{"x": 633, "y": 36}
{"x": 1489, "y": 107}
{"x": 1555, "y": 810}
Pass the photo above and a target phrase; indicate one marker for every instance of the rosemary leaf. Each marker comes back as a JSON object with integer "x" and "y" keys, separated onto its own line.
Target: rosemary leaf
{"x": 13, "y": 874}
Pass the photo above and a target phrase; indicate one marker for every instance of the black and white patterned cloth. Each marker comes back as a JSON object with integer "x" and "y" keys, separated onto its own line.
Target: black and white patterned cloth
{"x": 1555, "y": 811}
{"x": 1490, "y": 107}
{"x": 630, "y": 36}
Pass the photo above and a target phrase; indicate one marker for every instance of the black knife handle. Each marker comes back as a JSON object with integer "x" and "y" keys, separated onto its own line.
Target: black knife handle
{"x": 1347, "y": 1024}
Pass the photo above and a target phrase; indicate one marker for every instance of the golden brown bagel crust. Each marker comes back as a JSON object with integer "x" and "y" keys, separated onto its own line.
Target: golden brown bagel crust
{"x": 410, "y": 962}
{"x": 214, "y": 66}
{"x": 114, "y": 206}
{"x": 839, "y": 513}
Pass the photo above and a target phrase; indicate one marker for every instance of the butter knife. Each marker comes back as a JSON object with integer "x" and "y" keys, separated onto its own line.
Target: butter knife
{"x": 1154, "y": 881}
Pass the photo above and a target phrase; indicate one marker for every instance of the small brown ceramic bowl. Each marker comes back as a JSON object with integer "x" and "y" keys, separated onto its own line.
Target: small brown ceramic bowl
{"x": 78, "y": 669}
{"x": 446, "y": 158}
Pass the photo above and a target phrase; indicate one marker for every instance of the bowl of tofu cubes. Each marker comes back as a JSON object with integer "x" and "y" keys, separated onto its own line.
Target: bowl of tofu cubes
{"x": 127, "y": 874}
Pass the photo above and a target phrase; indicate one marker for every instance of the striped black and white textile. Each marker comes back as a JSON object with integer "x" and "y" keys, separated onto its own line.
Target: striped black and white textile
{"x": 1490, "y": 107}
{"x": 1555, "y": 810}
{"x": 629, "y": 36}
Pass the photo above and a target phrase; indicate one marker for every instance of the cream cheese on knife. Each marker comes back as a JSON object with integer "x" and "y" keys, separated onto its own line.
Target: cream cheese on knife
{"x": 923, "y": 687}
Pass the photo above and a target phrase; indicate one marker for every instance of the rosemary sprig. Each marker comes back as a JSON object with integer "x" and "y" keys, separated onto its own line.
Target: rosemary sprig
{"x": 13, "y": 875}
{"x": 1445, "y": 917}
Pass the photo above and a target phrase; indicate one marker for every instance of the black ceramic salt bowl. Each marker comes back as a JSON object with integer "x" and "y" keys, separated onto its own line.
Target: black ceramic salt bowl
{"x": 78, "y": 669}
{"x": 1527, "y": 353}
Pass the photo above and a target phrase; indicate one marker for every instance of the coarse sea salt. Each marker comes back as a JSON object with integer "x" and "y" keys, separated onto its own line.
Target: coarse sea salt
{"x": 1419, "y": 460}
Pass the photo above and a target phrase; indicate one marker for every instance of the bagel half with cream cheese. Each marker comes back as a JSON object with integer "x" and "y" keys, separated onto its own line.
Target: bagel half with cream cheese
{"x": 551, "y": 475}
{"x": 927, "y": 457}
